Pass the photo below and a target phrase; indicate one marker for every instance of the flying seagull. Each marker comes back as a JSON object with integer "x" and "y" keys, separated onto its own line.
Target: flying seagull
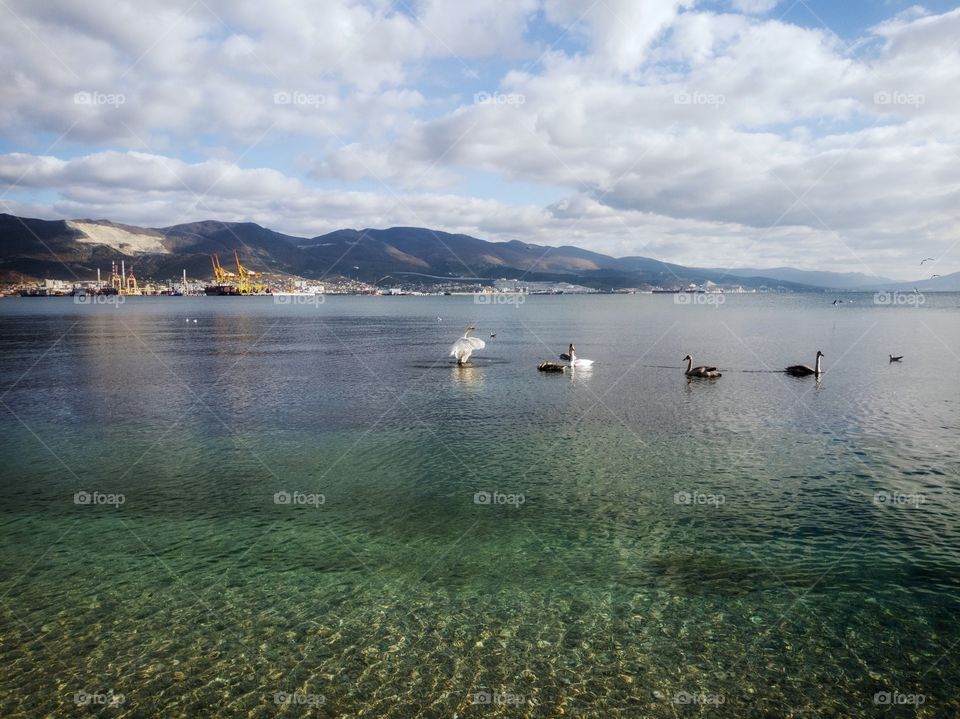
{"x": 837, "y": 302}
{"x": 932, "y": 276}
{"x": 929, "y": 259}
{"x": 896, "y": 359}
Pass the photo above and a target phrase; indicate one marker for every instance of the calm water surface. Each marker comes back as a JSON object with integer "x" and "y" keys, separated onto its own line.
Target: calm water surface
{"x": 486, "y": 540}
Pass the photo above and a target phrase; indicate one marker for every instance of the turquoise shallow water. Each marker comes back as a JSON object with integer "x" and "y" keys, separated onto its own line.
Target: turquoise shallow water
{"x": 491, "y": 541}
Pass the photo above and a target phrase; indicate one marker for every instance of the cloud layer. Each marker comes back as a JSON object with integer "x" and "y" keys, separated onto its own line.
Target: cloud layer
{"x": 661, "y": 128}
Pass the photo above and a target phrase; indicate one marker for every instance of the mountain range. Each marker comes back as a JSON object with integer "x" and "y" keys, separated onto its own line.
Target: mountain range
{"x": 74, "y": 249}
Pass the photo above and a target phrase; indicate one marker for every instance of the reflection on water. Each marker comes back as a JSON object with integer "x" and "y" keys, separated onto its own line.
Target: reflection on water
{"x": 312, "y": 524}
{"x": 467, "y": 374}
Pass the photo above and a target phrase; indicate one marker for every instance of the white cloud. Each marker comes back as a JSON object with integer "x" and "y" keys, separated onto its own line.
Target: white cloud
{"x": 157, "y": 191}
{"x": 469, "y": 30}
{"x": 620, "y": 31}
{"x": 661, "y": 127}
{"x": 757, "y": 7}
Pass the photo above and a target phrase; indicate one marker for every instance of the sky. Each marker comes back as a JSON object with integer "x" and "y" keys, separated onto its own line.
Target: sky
{"x": 751, "y": 133}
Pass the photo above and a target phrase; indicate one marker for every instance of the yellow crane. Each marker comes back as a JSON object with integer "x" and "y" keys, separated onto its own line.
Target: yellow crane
{"x": 123, "y": 282}
{"x": 116, "y": 281}
{"x": 220, "y": 275}
{"x": 130, "y": 284}
{"x": 242, "y": 282}
{"x": 249, "y": 281}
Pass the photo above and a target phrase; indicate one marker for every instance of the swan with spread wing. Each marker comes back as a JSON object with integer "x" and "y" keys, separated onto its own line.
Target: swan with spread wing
{"x": 465, "y": 346}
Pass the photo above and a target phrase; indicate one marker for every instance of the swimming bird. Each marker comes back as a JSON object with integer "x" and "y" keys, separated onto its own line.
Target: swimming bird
{"x": 551, "y": 367}
{"x": 896, "y": 359}
{"x": 492, "y": 335}
{"x": 802, "y": 370}
{"x": 571, "y": 356}
{"x": 932, "y": 276}
{"x": 692, "y": 371}
{"x": 929, "y": 259}
{"x": 464, "y": 347}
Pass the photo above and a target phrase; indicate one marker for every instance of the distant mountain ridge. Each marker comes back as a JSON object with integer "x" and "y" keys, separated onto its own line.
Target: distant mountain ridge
{"x": 68, "y": 249}
{"x": 829, "y": 280}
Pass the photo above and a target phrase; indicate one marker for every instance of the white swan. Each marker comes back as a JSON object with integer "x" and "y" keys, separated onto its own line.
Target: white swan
{"x": 802, "y": 370}
{"x": 700, "y": 371}
{"x": 571, "y": 356}
{"x": 464, "y": 347}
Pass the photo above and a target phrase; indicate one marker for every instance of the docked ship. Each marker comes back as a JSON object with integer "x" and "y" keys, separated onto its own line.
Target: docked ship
{"x": 219, "y": 289}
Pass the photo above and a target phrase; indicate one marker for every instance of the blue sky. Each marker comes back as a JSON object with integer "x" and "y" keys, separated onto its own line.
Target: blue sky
{"x": 752, "y": 132}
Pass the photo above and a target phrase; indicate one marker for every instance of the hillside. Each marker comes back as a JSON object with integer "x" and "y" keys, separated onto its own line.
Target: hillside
{"x": 74, "y": 249}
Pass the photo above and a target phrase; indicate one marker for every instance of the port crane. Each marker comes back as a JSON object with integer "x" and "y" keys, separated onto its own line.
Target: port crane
{"x": 116, "y": 281}
{"x": 130, "y": 284}
{"x": 122, "y": 282}
{"x": 242, "y": 282}
{"x": 249, "y": 282}
{"x": 220, "y": 275}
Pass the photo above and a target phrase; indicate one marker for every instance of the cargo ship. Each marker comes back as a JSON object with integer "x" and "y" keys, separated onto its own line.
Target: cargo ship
{"x": 222, "y": 290}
